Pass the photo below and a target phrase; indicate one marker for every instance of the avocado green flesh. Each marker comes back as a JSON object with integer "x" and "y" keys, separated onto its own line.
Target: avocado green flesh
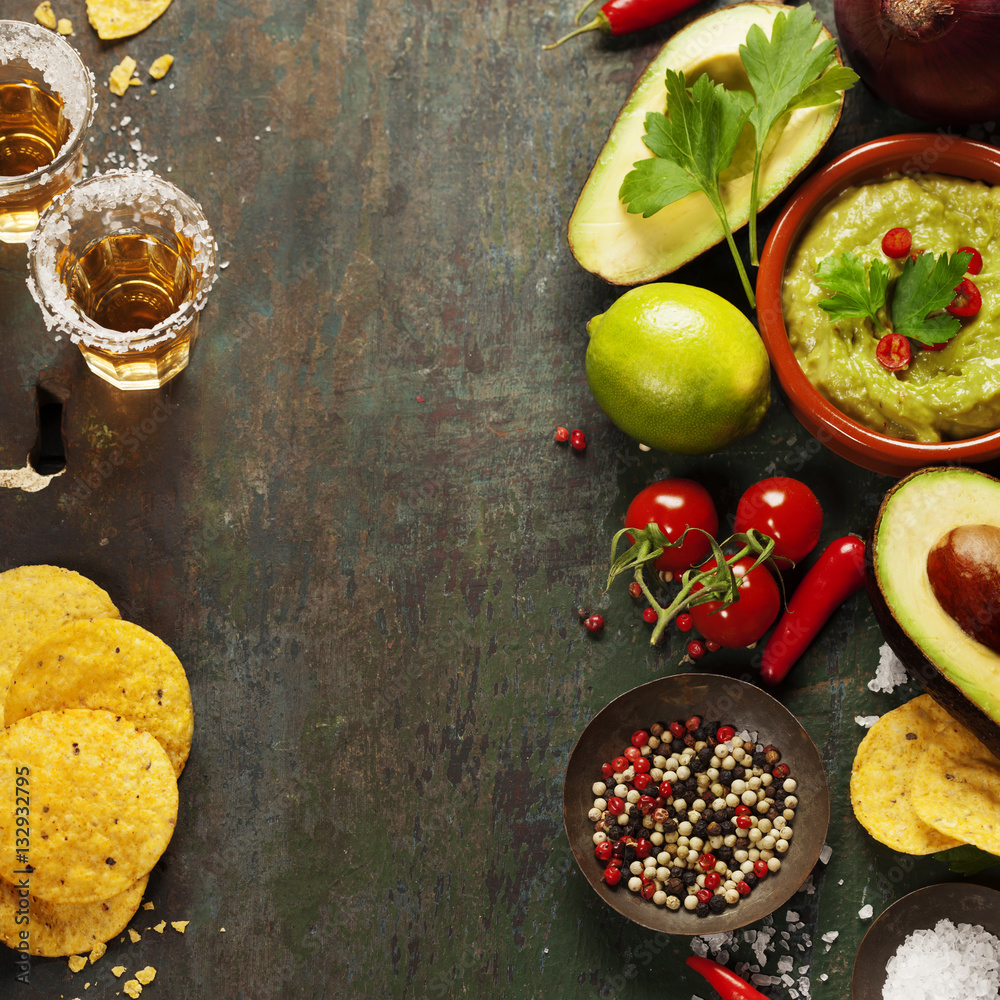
{"x": 627, "y": 249}
{"x": 921, "y": 510}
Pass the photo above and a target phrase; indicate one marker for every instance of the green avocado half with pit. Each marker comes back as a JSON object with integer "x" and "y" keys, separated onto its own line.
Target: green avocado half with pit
{"x": 934, "y": 584}
{"x": 626, "y": 249}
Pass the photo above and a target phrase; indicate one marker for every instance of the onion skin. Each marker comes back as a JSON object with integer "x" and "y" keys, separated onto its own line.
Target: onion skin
{"x": 936, "y": 60}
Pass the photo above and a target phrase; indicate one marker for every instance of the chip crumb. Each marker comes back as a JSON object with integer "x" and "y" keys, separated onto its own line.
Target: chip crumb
{"x": 134, "y": 935}
{"x": 146, "y": 976}
{"x": 179, "y": 925}
{"x": 97, "y": 951}
{"x": 64, "y": 26}
{"x": 132, "y": 988}
{"x": 44, "y": 15}
{"x": 148, "y": 905}
{"x": 159, "y": 927}
{"x": 159, "y": 67}
{"x": 76, "y": 962}
{"x": 118, "y": 82}
{"x": 135, "y": 82}
{"x": 222, "y": 930}
{"x": 117, "y": 971}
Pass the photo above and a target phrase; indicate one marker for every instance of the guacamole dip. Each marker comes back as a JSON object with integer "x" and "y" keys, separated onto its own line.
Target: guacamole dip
{"x": 943, "y": 395}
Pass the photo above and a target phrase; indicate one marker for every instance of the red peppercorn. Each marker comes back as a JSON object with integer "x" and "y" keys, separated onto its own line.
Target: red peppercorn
{"x": 642, "y": 765}
{"x": 607, "y": 770}
{"x": 619, "y": 764}
{"x": 660, "y": 802}
{"x": 619, "y": 852}
{"x": 660, "y": 815}
{"x": 650, "y": 616}
{"x": 641, "y": 782}
{"x": 781, "y": 771}
{"x": 725, "y": 733}
{"x": 743, "y": 889}
{"x": 577, "y": 440}
{"x": 665, "y": 789}
{"x": 696, "y": 649}
{"x": 976, "y": 264}
{"x": 685, "y": 622}
{"x": 616, "y": 806}
{"x": 604, "y": 850}
{"x": 712, "y": 647}
{"x": 742, "y": 810}
{"x": 760, "y": 869}
{"x": 562, "y": 435}
{"x": 646, "y": 804}
{"x": 897, "y": 242}
{"x": 706, "y": 862}
{"x": 677, "y": 730}
{"x": 640, "y": 738}
{"x": 612, "y": 876}
{"x": 634, "y": 589}
{"x": 704, "y": 895}
{"x": 744, "y": 822}
{"x": 648, "y": 890}
{"x": 643, "y": 848}
{"x": 712, "y": 880}
{"x": 632, "y": 754}
{"x": 594, "y": 623}
{"x": 693, "y": 723}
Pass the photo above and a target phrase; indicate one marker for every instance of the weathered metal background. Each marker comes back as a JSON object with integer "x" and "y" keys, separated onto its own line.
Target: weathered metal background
{"x": 350, "y": 521}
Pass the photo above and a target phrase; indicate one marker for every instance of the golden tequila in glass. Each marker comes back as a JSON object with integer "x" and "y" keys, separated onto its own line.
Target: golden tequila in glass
{"x": 47, "y": 102}
{"x": 123, "y": 263}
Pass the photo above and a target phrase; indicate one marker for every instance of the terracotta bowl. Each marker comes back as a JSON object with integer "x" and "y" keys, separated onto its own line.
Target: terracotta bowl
{"x": 959, "y": 902}
{"x": 712, "y": 697}
{"x": 910, "y": 153}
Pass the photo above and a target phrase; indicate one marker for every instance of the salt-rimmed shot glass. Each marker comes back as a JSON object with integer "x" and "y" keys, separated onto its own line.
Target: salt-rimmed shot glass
{"x": 123, "y": 263}
{"x": 47, "y": 102}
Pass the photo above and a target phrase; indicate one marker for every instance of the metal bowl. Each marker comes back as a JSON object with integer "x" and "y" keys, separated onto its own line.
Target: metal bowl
{"x": 959, "y": 902}
{"x": 711, "y": 696}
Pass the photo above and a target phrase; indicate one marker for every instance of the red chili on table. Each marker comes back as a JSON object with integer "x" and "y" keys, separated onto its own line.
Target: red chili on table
{"x": 727, "y": 984}
{"x": 619, "y": 17}
{"x": 836, "y": 575}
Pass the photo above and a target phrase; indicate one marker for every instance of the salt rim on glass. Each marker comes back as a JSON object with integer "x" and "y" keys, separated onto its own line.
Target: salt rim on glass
{"x": 64, "y": 73}
{"x": 131, "y": 193}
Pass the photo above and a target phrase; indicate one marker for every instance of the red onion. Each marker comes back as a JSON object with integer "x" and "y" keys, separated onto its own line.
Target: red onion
{"x": 938, "y": 60}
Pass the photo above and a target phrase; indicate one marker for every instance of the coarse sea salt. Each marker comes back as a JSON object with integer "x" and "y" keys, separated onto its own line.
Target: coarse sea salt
{"x": 890, "y": 672}
{"x": 866, "y": 720}
{"x": 947, "y": 963}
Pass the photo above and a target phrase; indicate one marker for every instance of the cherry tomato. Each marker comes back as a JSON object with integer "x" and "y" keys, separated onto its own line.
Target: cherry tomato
{"x": 785, "y": 509}
{"x": 674, "y": 505}
{"x": 747, "y": 619}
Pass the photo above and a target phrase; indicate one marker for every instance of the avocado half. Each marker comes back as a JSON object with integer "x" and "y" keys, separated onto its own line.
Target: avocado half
{"x": 957, "y": 670}
{"x": 628, "y": 249}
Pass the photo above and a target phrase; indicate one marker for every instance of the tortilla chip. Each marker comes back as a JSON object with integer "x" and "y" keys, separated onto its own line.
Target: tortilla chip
{"x": 102, "y": 804}
{"x": 36, "y": 600}
{"x": 887, "y": 764}
{"x": 121, "y": 18}
{"x": 113, "y": 665}
{"x": 56, "y": 929}
{"x": 121, "y": 76}
{"x": 44, "y": 15}
{"x": 159, "y": 67}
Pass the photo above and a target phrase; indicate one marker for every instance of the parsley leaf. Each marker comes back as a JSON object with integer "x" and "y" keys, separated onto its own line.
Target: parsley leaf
{"x": 690, "y": 149}
{"x": 859, "y": 296}
{"x": 966, "y": 859}
{"x": 927, "y": 285}
{"x": 787, "y": 72}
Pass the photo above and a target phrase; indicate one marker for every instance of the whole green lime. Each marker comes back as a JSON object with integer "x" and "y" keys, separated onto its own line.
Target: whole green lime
{"x": 678, "y": 368}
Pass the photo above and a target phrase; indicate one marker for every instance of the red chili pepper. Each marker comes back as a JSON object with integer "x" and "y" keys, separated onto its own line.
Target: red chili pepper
{"x": 893, "y": 352}
{"x": 836, "y": 574}
{"x": 727, "y": 984}
{"x": 968, "y": 300}
{"x": 619, "y": 17}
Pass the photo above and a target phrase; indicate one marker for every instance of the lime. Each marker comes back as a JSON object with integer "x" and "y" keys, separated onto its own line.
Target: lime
{"x": 678, "y": 368}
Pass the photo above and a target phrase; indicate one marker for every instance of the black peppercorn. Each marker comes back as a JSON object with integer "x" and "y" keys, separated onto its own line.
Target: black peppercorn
{"x": 714, "y": 830}
{"x": 759, "y": 760}
{"x": 724, "y": 853}
{"x": 726, "y": 778}
{"x": 750, "y": 879}
{"x": 674, "y": 887}
{"x": 727, "y": 827}
{"x": 677, "y": 747}
{"x": 702, "y": 910}
{"x": 656, "y": 730}
{"x": 676, "y": 872}
{"x": 689, "y": 877}
{"x": 717, "y": 904}
{"x": 669, "y": 825}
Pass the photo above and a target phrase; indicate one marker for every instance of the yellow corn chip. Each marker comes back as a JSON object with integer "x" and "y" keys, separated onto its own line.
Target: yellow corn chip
{"x": 134, "y": 935}
{"x": 45, "y": 16}
{"x": 117, "y": 971}
{"x": 179, "y": 925}
{"x": 102, "y": 803}
{"x": 64, "y": 26}
{"x": 146, "y": 976}
{"x": 76, "y": 963}
{"x": 132, "y": 987}
{"x": 121, "y": 18}
{"x": 118, "y": 82}
{"x": 158, "y": 69}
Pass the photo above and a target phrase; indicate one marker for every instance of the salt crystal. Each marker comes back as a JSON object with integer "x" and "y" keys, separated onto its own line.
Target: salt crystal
{"x": 785, "y": 963}
{"x": 786, "y": 980}
{"x": 126, "y": 120}
{"x": 890, "y": 672}
{"x": 830, "y": 936}
{"x": 866, "y": 720}
{"x": 791, "y": 917}
{"x": 823, "y": 978}
{"x": 826, "y": 852}
{"x": 866, "y": 911}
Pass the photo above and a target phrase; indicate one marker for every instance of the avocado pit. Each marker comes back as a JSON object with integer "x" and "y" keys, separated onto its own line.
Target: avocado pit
{"x": 963, "y": 567}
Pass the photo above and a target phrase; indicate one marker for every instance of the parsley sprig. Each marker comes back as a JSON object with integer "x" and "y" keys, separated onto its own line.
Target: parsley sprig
{"x": 716, "y": 584}
{"x": 695, "y": 141}
{"x": 922, "y": 291}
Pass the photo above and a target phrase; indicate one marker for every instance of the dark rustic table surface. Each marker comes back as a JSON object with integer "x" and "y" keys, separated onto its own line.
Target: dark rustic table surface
{"x": 350, "y": 521}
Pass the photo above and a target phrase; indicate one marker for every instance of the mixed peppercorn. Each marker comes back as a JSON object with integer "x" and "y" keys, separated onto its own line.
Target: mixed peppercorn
{"x": 692, "y": 815}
